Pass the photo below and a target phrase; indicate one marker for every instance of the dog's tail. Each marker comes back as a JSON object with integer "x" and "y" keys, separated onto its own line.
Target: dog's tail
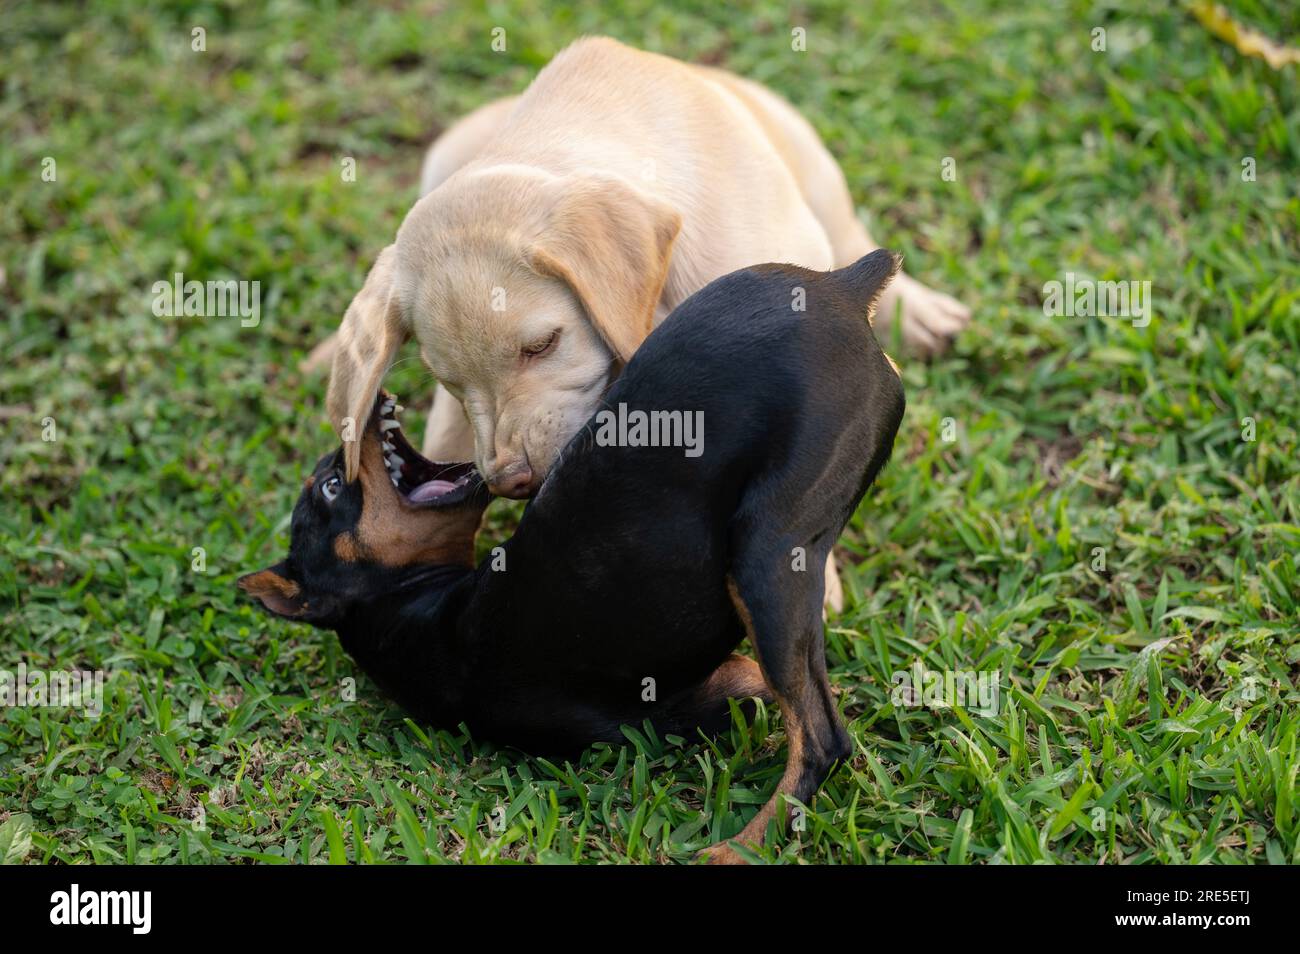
{"x": 867, "y": 278}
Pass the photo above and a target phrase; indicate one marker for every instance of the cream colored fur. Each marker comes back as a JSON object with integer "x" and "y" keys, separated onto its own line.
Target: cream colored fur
{"x": 557, "y": 227}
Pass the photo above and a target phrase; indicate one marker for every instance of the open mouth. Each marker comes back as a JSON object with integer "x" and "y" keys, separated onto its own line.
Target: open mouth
{"x": 419, "y": 481}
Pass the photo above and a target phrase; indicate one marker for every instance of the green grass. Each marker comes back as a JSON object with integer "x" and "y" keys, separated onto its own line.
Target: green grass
{"x": 1148, "y": 710}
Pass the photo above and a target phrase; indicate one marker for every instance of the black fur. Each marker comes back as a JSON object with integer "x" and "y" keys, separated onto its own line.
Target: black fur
{"x": 623, "y": 568}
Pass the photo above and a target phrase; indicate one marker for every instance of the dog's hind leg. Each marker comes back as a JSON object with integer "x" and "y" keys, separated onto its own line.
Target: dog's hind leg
{"x": 782, "y": 617}
{"x": 930, "y": 319}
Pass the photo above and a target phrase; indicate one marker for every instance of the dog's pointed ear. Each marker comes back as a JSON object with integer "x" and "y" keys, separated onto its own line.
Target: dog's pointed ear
{"x": 612, "y": 245}
{"x": 276, "y": 591}
{"x": 868, "y": 277}
{"x": 372, "y": 331}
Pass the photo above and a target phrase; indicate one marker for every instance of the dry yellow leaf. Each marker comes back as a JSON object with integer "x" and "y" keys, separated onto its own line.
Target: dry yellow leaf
{"x": 1244, "y": 40}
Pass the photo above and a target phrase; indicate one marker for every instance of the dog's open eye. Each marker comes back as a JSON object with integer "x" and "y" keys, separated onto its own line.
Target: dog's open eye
{"x": 542, "y": 346}
{"x": 330, "y": 488}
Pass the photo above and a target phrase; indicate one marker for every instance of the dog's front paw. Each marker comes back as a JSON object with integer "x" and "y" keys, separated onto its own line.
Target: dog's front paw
{"x": 930, "y": 318}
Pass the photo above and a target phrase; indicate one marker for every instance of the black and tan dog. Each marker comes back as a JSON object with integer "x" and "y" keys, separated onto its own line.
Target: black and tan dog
{"x": 637, "y": 570}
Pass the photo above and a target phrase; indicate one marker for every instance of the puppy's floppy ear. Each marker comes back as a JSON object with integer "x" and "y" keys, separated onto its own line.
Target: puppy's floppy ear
{"x": 372, "y": 331}
{"x": 612, "y": 245}
{"x": 274, "y": 589}
{"x": 869, "y": 276}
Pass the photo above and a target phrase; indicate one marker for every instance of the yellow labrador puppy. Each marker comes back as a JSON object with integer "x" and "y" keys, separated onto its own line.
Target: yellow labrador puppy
{"x": 556, "y": 228}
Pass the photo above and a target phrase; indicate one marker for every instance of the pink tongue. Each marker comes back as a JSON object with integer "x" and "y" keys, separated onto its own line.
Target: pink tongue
{"x": 431, "y": 490}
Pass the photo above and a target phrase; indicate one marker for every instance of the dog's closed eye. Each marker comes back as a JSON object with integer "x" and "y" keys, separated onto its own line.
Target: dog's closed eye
{"x": 541, "y": 346}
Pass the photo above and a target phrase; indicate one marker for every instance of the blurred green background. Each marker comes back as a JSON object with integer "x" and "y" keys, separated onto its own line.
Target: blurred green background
{"x": 1148, "y": 708}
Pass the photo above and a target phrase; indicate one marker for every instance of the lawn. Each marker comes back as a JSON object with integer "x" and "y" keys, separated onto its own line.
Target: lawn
{"x": 1101, "y": 513}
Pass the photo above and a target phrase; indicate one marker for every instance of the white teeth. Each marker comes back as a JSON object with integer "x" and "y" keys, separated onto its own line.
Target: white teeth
{"x": 394, "y": 480}
{"x": 398, "y": 409}
{"x": 389, "y": 447}
{"x": 394, "y": 462}
{"x": 388, "y": 425}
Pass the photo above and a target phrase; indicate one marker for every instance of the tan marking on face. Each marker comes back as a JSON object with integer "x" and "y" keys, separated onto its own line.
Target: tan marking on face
{"x": 345, "y": 547}
{"x": 391, "y": 533}
{"x": 310, "y": 482}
